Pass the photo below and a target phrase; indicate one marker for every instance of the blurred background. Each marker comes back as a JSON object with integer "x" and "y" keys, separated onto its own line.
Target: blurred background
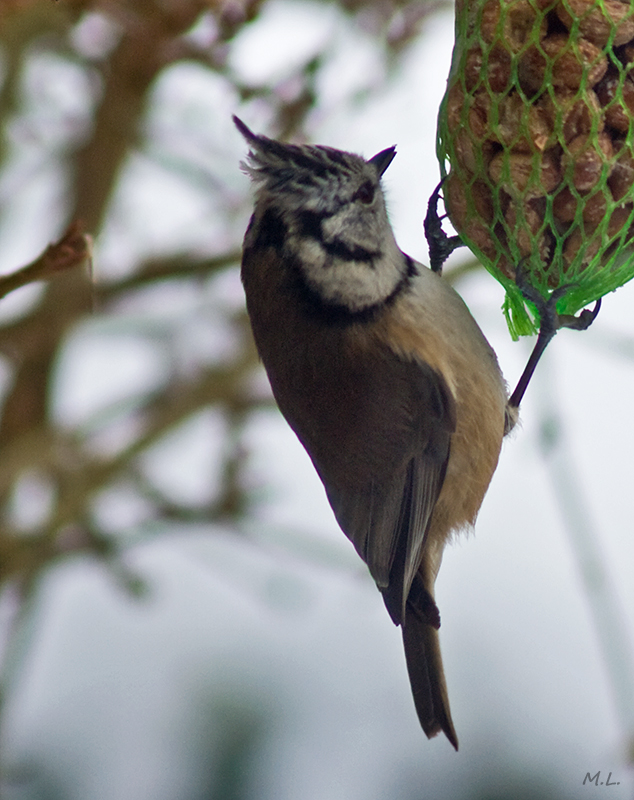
{"x": 180, "y": 616}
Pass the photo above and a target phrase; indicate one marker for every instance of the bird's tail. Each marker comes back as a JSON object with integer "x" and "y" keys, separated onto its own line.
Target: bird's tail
{"x": 424, "y": 665}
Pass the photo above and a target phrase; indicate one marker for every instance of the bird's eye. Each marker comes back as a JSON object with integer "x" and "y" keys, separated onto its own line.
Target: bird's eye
{"x": 365, "y": 193}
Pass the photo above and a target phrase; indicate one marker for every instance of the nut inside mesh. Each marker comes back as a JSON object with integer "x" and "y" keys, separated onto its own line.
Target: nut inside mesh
{"x": 538, "y": 135}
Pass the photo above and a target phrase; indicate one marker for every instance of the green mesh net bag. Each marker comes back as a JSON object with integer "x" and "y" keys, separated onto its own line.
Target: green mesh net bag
{"x": 536, "y": 142}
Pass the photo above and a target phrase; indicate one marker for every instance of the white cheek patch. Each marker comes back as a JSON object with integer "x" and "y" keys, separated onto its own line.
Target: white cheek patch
{"x": 311, "y": 254}
{"x": 354, "y": 284}
{"x": 361, "y": 229}
{"x": 348, "y": 256}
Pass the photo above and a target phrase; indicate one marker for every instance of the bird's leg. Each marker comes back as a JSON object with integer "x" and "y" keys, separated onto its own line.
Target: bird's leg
{"x": 440, "y": 245}
{"x": 549, "y": 323}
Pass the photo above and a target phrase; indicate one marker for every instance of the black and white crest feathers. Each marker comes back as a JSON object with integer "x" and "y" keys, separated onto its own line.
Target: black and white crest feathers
{"x": 309, "y": 170}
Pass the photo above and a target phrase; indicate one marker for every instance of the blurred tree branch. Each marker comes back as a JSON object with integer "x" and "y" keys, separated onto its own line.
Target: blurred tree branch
{"x": 122, "y": 49}
{"x": 150, "y": 36}
{"x": 72, "y": 250}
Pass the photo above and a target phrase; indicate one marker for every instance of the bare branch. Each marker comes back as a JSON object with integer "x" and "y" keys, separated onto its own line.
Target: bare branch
{"x": 74, "y": 249}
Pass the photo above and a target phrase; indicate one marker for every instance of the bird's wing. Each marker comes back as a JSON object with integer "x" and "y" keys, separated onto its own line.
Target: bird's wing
{"x": 395, "y": 468}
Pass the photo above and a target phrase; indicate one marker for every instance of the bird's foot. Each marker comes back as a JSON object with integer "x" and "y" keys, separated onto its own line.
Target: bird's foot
{"x": 440, "y": 245}
{"x": 550, "y": 321}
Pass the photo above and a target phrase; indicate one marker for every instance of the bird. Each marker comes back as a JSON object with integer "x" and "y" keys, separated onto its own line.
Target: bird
{"x": 383, "y": 374}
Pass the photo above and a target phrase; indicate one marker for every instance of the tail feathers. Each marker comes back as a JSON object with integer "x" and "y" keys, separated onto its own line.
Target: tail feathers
{"x": 426, "y": 675}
